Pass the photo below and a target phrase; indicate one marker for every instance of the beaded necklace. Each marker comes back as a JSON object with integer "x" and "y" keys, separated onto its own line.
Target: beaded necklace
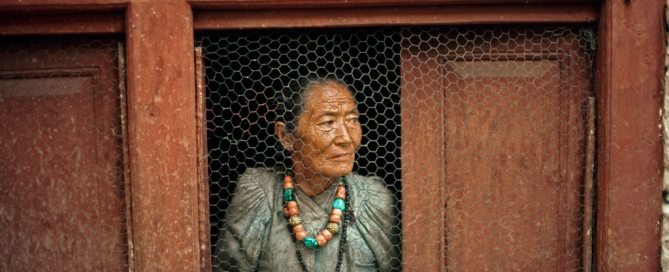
{"x": 338, "y": 221}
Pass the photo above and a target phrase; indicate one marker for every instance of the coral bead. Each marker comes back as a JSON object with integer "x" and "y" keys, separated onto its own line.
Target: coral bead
{"x": 336, "y": 211}
{"x": 291, "y": 204}
{"x": 335, "y": 218}
{"x": 287, "y": 182}
{"x": 326, "y": 234}
{"x": 299, "y": 236}
{"x": 341, "y": 192}
{"x": 298, "y": 228}
{"x": 321, "y": 240}
{"x": 291, "y": 211}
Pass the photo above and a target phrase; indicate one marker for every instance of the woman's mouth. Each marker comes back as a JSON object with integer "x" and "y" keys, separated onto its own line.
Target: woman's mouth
{"x": 342, "y": 157}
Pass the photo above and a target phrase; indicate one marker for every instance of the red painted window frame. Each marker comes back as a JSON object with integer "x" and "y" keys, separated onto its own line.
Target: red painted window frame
{"x": 164, "y": 204}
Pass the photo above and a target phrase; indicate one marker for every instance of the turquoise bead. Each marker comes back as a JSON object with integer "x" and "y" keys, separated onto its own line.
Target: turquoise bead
{"x": 310, "y": 242}
{"x": 287, "y": 194}
{"x": 339, "y": 203}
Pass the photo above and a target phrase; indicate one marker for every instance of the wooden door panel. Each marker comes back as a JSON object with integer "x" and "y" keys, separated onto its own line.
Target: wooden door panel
{"x": 507, "y": 206}
{"x": 61, "y": 193}
{"x": 493, "y": 136}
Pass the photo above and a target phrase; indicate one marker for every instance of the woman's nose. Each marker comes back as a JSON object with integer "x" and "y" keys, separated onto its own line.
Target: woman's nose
{"x": 343, "y": 136}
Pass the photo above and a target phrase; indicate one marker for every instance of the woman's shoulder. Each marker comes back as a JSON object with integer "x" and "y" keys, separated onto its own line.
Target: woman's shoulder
{"x": 367, "y": 183}
{"x": 257, "y": 184}
{"x": 370, "y": 193}
{"x": 259, "y": 172}
{"x": 259, "y": 177}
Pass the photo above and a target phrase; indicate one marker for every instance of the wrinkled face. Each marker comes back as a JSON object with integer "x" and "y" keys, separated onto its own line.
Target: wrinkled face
{"x": 328, "y": 132}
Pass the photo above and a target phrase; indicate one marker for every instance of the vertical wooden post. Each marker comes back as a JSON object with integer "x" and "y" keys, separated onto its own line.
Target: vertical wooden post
{"x": 589, "y": 184}
{"x": 202, "y": 163}
{"x": 630, "y": 150}
{"x": 162, "y": 136}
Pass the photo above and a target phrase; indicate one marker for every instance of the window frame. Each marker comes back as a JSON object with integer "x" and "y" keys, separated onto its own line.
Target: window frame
{"x": 164, "y": 204}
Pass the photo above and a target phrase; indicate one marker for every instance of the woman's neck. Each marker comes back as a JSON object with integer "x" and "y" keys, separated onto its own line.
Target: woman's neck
{"x": 312, "y": 185}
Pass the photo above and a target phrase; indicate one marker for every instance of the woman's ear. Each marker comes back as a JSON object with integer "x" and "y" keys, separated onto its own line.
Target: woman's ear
{"x": 285, "y": 138}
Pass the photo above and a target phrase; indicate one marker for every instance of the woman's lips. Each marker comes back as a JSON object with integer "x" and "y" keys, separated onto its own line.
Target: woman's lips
{"x": 342, "y": 157}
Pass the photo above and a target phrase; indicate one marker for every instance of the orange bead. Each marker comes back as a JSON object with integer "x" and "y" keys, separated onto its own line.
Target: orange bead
{"x": 287, "y": 182}
{"x": 335, "y": 218}
{"x": 321, "y": 240}
{"x": 291, "y": 204}
{"x": 298, "y": 228}
{"x": 300, "y": 235}
{"x": 336, "y": 211}
{"x": 326, "y": 234}
{"x": 289, "y": 212}
{"x": 341, "y": 192}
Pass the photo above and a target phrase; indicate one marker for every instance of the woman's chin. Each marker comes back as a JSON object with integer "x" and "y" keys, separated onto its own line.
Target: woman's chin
{"x": 339, "y": 170}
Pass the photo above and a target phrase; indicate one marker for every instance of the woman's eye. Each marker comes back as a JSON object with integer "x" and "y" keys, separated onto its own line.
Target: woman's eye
{"x": 353, "y": 119}
{"x": 327, "y": 123}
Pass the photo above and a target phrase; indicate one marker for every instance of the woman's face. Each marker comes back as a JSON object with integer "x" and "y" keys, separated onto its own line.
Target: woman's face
{"x": 328, "y": 132}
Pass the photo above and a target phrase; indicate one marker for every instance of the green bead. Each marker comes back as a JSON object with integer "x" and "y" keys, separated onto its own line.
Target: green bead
{"x": 310, "y": 242}
{"x": 287, "y": 194}
{"x": 339, "y": 203}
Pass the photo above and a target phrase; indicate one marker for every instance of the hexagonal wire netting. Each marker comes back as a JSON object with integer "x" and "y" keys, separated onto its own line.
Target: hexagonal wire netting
{"x": 485, "y": 74}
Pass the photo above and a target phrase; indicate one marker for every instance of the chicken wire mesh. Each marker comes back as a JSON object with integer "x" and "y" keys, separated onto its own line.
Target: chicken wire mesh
{"x": 62, "y": 186}
{"x": 507, "y": 103}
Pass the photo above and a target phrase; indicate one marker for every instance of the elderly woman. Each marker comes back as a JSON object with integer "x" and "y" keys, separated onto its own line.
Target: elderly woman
{"x": 317, "y": 216}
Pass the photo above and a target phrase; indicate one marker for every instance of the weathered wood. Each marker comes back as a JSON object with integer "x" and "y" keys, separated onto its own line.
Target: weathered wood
{"x": 423, "y": 165}
{"x": 629, "y": 160}
{"x": 273, "y": 4}
{"x": 80, "y": 23}
{"x": 127, "y": 187}
{"x": 381, "y": 16}
{"x": 61, "y": 5}
{"x": 61, "y": 188}
{"x": 589, "y": 185}
{"x": 513, "y": 159}
{"x": 203, "y": 163}
{"x": 162, "y": 136}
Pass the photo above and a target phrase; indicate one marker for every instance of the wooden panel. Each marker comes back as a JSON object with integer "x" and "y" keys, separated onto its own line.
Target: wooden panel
{"x": 508, "y": 173}
{"x": 60, "y": 5}
{"x": 61, "y": 188}
{"x": 422, "y": 162}
{"x": 507, "y": 162}
{"x": 269, "y": 4}
{"x": 377, "y": 16}
{"x": 18, "y": 24}
{"x": 629, "y": 161}
{"x": 162, "y": 136}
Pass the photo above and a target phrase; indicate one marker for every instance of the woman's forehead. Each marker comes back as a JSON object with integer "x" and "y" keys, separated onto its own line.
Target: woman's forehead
{"x": 333, "y": 94}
